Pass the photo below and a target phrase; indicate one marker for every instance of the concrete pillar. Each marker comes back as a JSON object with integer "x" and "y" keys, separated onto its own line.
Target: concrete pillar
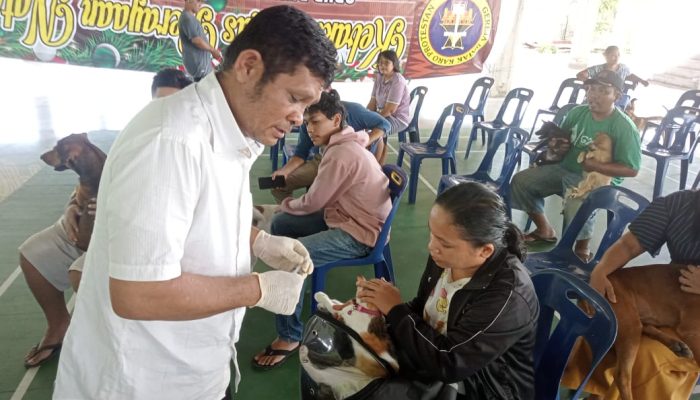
{"x": 585, "y": 14}
{"x": 512, "y": 13}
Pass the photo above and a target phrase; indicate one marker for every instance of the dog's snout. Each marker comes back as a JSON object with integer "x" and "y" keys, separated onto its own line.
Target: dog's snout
{"x": 51, "y": 158}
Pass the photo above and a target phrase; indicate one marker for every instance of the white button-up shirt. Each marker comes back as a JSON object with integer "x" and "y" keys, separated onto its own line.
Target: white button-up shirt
{"x": 174, "y": 197}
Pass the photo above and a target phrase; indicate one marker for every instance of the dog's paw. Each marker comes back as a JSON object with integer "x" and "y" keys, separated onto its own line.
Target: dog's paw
{"x": 324, "y": 302}
{"x": 681, "y": 349}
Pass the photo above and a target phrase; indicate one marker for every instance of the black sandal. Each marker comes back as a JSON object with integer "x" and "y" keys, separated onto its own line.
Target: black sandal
{"x": 269, "y": 351}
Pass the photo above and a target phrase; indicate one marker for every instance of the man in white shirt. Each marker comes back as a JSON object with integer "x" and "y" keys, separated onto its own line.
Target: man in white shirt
{"x": 167, "y": 276}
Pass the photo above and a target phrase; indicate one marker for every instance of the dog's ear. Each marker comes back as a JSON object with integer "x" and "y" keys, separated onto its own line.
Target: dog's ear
{"x": 71, "y": 158}
{"x": 377, "y": 327}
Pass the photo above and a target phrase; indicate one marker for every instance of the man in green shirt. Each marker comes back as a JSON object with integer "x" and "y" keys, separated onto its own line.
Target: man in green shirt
{"x": 531, "y": 186}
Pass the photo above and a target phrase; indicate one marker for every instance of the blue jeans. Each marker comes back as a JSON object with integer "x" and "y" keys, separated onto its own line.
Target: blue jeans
{"x": 324, "y": 245}
{"x": 529, "y": 188}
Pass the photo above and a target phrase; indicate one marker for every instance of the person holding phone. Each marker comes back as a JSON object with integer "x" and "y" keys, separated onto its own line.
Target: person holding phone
{"x": 300, "y": 171}
{"x": 339, "y": 217}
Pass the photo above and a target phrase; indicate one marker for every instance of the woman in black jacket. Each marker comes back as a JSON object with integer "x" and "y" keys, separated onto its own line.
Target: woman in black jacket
{"x": 473, "y": 321}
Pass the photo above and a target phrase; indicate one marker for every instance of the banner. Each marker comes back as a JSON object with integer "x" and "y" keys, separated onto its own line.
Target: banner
{"x": 451, "y": 37}
{"x": 143, "y": 34}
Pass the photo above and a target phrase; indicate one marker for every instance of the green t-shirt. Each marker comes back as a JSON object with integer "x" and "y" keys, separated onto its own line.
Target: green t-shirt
{"x": 622, "y": 131}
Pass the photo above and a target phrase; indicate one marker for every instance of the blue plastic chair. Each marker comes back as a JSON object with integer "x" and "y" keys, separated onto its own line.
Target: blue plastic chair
{"x": 689, "y": 98}
{"x": 513, "y": 138}
{"x": 576, "y": 96}
{"x": 483, "y": 86}
{"x": 274, "y": 154}
{"x": 433, "y": 149}
{"x": 530, "y": 147}
{"x": 412, "y": 129}
{"x": 521, "y": 98}
{"x": 380, "y": 255}
{"x": 559, "y": 291}
{"x": 620, "y": 214}
{"x": 675, "y": 139}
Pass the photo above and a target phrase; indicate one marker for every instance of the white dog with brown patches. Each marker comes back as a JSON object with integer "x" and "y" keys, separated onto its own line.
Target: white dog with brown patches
{"x": 345, "y": 378}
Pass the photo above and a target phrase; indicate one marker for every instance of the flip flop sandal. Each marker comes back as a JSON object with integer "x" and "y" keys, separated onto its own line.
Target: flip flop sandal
{"x": 55, "y": 350}
{"x": 269, "y": 351}
{"x": 585, "y": 257}
{"x": 533, "y": 237}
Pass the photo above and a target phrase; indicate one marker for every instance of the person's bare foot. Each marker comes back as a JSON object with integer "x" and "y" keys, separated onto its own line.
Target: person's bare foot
{"x": 276, "y": 353}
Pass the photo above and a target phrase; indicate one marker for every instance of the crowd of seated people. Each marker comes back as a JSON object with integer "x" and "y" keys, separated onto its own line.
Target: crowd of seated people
{"x": 472, "y": 323}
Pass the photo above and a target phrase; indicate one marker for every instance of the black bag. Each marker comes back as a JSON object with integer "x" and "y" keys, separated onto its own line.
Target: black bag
{"x": 328, "y": 350}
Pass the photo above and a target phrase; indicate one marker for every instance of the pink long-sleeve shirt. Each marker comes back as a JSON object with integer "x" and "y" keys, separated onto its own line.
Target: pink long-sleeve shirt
{"x": 350, "y": 188}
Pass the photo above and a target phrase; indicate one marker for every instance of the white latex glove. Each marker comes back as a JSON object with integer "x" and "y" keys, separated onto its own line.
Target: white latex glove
{"x": 283, "y": 253}
{"x": 279, "y": 291}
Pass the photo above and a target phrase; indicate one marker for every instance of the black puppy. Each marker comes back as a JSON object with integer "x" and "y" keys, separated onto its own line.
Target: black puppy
{"x": 554, "y": 143}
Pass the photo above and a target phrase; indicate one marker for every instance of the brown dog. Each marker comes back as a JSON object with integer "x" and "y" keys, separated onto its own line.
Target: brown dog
{"x": 649, "y": 298}
{"x": 600, "y": 150}
{"x": 640, "y": 122}
{"x": 77, "y": 153}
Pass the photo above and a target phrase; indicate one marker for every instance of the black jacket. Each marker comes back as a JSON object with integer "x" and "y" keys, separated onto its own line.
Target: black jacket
{"x": 490, "y": 332}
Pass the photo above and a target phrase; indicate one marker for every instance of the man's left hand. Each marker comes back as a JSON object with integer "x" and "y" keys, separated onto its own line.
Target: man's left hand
{"x": 283, "y": 253}
{"x": 690, "y": 279}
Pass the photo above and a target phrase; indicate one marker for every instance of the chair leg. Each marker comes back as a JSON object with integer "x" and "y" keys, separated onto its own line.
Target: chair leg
{"x": 384, "y": 268}
{"x": 684, "y": 174}
{"x": 318, "y": 279}
{"x": 661, "y": 168}
{"x": 453, "y": 165}
{"x": 472, "y": 138}
{"x": 402, "y": 137}
{"x": 399, "y": 160}
{"x": 445, "y": 166}
{"x": 413, "y": 180}
{"x": 274, "y": 150}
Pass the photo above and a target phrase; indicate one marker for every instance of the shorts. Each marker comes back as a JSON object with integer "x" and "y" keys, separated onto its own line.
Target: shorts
{"x": 53, "y": 255}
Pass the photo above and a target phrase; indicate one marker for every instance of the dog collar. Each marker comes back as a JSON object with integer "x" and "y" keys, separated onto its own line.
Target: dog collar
{"x": 360, "y": 308}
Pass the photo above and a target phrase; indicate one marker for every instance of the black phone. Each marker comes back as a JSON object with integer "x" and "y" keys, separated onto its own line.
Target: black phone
{"x": 267, "y": 182}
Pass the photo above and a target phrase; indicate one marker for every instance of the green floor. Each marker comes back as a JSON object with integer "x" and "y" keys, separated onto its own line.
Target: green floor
{"x": 40, "y": 201}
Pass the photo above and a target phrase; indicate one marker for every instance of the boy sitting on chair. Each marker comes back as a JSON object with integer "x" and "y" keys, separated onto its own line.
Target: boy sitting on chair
{"x": 338, "y": 218}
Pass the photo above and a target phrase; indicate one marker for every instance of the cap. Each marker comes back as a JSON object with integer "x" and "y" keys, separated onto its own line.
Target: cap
{"x": 607, "y": 78}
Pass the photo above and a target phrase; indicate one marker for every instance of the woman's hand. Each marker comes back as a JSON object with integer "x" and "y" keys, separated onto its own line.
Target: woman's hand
{"x": 690, "y": 279}
{"x": 600, "y": 282}
{"x": 381, "y": 293}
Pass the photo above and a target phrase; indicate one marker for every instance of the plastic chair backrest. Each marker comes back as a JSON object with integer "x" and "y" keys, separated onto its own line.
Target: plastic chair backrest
{"x": 556, "y": 291}
{"x": 417, "y": 94}
{"x": 560, "y": 116}
{"x": 397, "y": 185}
{"x": 620, "y": 214}
{"x": 522, "y": 97}
{"x": 690, "y": 98}
{"x": 514, "y": 139}
{"x": 675, "y": 128}
{"x": 629, "y": 85}
{"x": 484, "y": 85}
{"x": 576, "y": 87}
{"x": 455, "y": 110}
